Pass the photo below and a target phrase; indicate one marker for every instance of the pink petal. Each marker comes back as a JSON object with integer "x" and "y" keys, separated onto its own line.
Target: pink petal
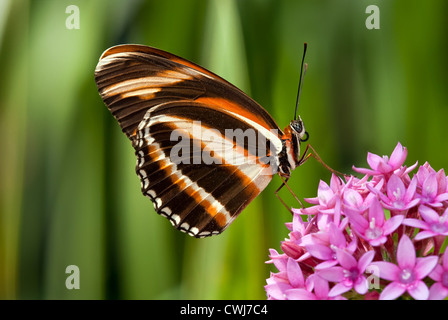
{"x": 424, "y": 266}
{"x": 333, "y": 274}
{"x": 345, "y": 259}
{"x": 357, "y": 220}
{"x": 298, "y": 224}
{"x": 324, "y": 193}
{"x": 436, "y": 273}
{"x": 388, "y": 271}
{"x": 378, "y": 241}
{"x": 392, "y": 224}
{"x": 392, "y": 291}
{"x": 335, "y": 183}
{"x": 376, "y": 212}
{"x": 322, "y": 221}
{"x": 441, "y": 181}
{"x": 429, "y": 188}
{"x": 361, "y": 285}
{"x": 398, "y": 156}
{"x": 337, "y": 213}
{"x": 338, "y": 288}
{"x": 405, "y": 253}
{"x": 321, "y": 287}
{"x": 326, "y": 264}
{"x": 422, "y": 174}
{"x": 279, "y": 261}
{"x": 384, "y": 166}
{"x": 411, "y": 204}
{"x": 419, "y": 291}
{"x": 353, "y": 244}
{"x": 428, "y": 214}
{"x": 353, "y": 199}
{"x": 322, "y": 238}
{"x": 395, "y": 188}
{"x": 411, "y": 190}
{"x": 437, "y": 292}
{"x": 411, "y": 168}
{"x": 299, "y": 294}
{"x": 374, "y": 160}
{"x": 277, "y": 290}
{"x": 365, "y": 171}
{"x": 295, "y": 275}
{"x": 440, "y": 198}
{"x": 337, "y": 238}
{"x": 365, "y": 260}
{"x": 415, "y": 223}
{"x": 424, "y": 235}
{"x": 304, "y": 257}
{"x": 320, "y": 252}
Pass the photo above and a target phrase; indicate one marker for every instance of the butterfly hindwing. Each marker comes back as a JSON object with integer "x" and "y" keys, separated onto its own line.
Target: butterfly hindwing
{"x": 201, "y": 199}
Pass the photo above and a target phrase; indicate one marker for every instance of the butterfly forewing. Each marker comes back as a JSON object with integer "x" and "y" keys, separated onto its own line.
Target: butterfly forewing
{"x": 178, "y": 117}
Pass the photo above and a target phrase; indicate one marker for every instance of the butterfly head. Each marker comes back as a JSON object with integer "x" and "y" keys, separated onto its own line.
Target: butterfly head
{"x": 294, "y": 135}
{"x": 298, "y": 130}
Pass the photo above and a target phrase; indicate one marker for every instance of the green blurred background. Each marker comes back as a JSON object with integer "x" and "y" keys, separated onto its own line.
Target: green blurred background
{"x": 69, "y": 194}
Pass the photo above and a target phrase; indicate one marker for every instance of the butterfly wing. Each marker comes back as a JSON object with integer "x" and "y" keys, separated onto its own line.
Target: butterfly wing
{"x": 179, "y": 116}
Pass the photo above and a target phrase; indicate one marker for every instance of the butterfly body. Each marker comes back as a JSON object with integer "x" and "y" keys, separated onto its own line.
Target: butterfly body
{"x": 204, "y": 148}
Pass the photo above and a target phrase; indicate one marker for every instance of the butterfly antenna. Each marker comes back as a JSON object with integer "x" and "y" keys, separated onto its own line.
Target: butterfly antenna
{"x": 302, "y": 76}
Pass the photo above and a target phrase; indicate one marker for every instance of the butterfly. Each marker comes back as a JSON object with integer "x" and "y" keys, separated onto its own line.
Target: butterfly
{"x": 204, "y": 148}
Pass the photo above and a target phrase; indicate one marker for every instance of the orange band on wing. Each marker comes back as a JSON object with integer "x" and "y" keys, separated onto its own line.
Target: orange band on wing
{"x": 225, "y": 104}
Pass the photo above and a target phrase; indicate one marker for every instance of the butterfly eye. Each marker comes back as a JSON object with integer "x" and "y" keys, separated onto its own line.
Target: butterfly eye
{"x": 297, "y": 126}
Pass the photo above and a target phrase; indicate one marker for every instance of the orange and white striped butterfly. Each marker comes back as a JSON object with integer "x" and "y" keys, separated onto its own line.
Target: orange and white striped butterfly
{"x": 178, "y": 117}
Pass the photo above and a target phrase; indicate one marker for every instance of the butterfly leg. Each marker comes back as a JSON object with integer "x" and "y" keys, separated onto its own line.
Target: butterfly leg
{"x": 314, "y": 154}
{"x": 285, "y": 183}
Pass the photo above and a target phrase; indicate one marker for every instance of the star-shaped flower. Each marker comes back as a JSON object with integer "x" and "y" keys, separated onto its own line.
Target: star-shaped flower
{"x": 350, "y": 274}
{"x": 432, "y": 225}
{"x": 384, "y": 165}
{"x": 377, "y": 228}
{"x": 408, "y": 274}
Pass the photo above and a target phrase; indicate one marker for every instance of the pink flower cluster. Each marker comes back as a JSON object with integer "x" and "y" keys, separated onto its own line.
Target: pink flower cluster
{"x": 379, "y": 237}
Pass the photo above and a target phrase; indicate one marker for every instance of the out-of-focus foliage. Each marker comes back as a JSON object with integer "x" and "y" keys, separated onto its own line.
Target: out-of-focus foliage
{"x": 68, "y": 191}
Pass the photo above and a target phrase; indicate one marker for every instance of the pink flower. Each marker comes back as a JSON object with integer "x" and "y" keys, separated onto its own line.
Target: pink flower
{"x": 431, "y": 194}
{"x": 327, "y": 195}
{"x": 349, "y": 275}
{"x": 385, "y": 223}
{"x": 425, "y": 170}
{"x": 327, "y": 251}
{"x": 384, "y": 165}
{"x": 439, "y": 290}
{"x": 398, "y": 197}
{"x": 354, "y": 200}
{"x": 290, "y": 276}
{"x": 433, "y": 224}
{"x": 321, "y": 291}
{"x": 408, "y": 275}
{"x": 376, "y": 229}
